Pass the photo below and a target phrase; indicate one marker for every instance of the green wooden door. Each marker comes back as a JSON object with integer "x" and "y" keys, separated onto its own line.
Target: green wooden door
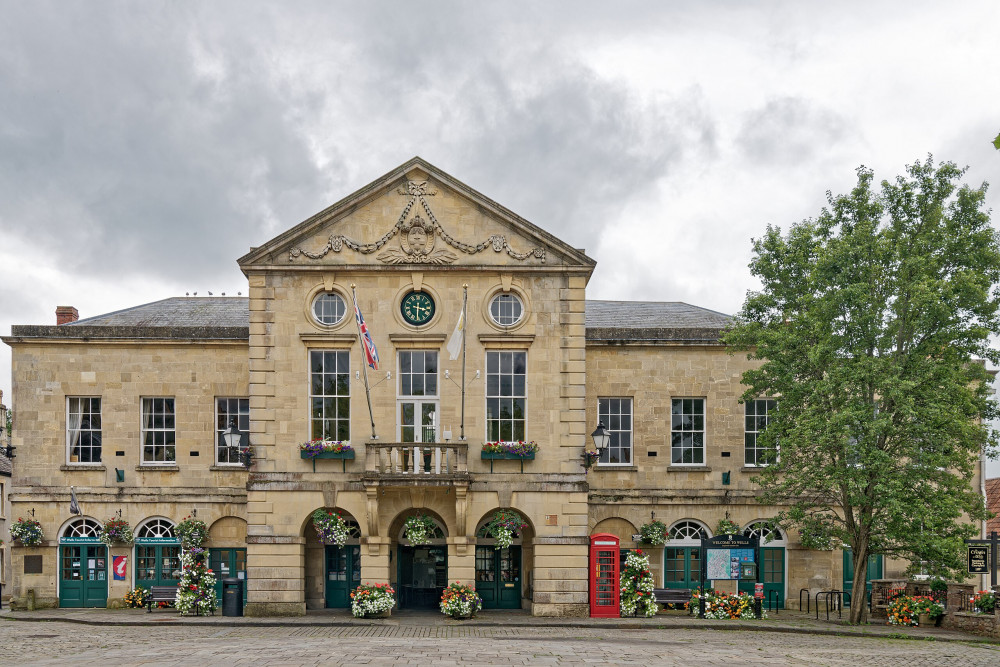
{"x": 682, "y": 567}
{"x": 157, "y": 565}
{"x": 343, "y": 574}
{"x": 228, "y": 563}
{"x": 498, "y": 577}
{"x": 875, "y": 562}
{"x": 771, "y": 571}
{"x": 83, "y": 575}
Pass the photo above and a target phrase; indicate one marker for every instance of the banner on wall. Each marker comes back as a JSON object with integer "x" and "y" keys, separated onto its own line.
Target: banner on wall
{"x": 120, "y": 565}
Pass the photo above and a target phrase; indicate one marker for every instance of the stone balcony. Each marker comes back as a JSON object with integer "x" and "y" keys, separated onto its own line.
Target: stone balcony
{"x": 409, "y": 464}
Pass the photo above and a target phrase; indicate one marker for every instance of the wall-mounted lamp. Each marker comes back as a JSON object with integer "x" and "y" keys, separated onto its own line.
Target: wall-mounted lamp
{"x": 601, "y": 437}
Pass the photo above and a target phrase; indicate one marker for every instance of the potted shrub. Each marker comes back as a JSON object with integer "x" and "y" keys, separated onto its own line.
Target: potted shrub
{"x": 654, "y": 533}
{"x": 117, "y": 531}
{"x": 372, "y": 600}
{"x": 191, "y": 532}
{"x": 330, "y": 528}
{"x": 27, "y": 531}
{"x": 460, "y": 601}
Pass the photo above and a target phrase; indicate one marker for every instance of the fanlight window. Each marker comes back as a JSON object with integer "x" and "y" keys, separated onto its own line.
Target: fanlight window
{"x": 353, "y": 529}
{"x": 688, "y": 530}
{"x": 764, "y": 532}
{"x": 83, "y": 528}
{"x": 156, "y": 528}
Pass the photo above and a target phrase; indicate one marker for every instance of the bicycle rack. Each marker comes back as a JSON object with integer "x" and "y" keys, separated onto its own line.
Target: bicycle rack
{"x": 808, "y": 600}
{"x": 777, "y": 599}
{"x": 837, "y": 597}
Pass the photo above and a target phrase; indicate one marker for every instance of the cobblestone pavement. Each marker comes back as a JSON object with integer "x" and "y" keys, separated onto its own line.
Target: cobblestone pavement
{"x": 59, "y": 643}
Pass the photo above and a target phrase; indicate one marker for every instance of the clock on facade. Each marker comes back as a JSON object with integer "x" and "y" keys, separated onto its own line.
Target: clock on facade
{"x": 417, "y": 308}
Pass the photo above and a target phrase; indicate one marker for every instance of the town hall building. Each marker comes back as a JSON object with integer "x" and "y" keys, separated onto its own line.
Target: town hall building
{"x": 483, "y": 334}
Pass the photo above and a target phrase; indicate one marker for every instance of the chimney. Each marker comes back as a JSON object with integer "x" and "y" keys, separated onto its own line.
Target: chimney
{"x": 66, "y": 314}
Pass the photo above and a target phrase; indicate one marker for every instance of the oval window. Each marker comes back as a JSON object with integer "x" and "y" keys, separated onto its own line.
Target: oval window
{"x": 506, "y": 309}
{"x": 329, "y": 308}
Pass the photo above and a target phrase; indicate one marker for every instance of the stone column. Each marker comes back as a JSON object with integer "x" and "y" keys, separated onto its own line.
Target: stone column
{"x": 462, "y": 560}
{"x": 561, "y": 581}
{"x": 375, "y": 568}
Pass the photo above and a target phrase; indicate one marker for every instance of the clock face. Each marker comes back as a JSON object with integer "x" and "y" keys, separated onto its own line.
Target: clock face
{"x": 417, "y": 308}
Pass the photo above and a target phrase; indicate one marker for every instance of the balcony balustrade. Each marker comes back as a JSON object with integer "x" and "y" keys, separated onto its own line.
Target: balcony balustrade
{"x": 416, "y": 462}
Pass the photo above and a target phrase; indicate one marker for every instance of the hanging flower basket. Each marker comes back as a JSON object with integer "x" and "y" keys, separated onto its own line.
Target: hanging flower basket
{"x": 727, "y": 527}
{"x": 654, "y": 533}
{"x": 191, "y": 532}
{"x": 504, "y": 527}
{"x": 330, "y": 528}
{"x": 117, "y": 531}
{"x": 27, "y": 531}
{"x": 590, "y": 457}
{"x": 419, "y": 529}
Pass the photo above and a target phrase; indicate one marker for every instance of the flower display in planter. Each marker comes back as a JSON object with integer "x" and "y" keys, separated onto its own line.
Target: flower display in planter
{"x": 725, "y": 606}
{"x": 191, "y": 532}
{"x": 902, "y": 610}
{"x": 330, "y": 528}
{"x": 504, "y": 527}
{"x": 460, "y": 601}
{"x": 371, "y": 599}
{"x": 196, "y": 589}
{"x": 925, "y": 604}
{"x": 27, "y": 531}
{"x": 314, "y": 448}
{"x": 519, "y": 448}
{"x": 727, "y": 527}
{"x": 117, "y": 531}
{"x": 137, "y": 598}
{"x": 637, "y": 586}
{"x": 419, "y": 529}
{"x": 984, "y": 602}
{"x": 654, "y": 533}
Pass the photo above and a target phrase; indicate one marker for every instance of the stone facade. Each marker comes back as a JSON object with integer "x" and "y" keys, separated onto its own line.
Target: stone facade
{"x": 415, "y": 230}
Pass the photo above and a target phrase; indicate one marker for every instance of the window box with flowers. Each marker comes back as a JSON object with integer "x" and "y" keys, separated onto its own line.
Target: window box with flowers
{"x": 27, "y": 531}
{"x": 117, "y": 531}
{"x": 326, "y": 449}
{"x": 519, "y": 450}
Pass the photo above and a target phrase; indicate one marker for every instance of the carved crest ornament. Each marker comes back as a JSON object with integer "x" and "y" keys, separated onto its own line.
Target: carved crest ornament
{"x": 416, "y": 238}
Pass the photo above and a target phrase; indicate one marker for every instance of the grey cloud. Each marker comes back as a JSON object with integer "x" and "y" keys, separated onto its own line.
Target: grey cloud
{"x": 790, "y": 131}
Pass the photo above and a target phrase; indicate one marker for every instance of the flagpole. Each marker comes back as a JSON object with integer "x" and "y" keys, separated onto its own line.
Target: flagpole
{"x": 364, "y": 362}
{"x": 465, "y": 329}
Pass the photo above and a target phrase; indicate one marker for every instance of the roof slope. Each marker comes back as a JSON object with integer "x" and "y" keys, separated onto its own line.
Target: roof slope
{"x": 652, "y": 321}
{"x": 196, "y": 311}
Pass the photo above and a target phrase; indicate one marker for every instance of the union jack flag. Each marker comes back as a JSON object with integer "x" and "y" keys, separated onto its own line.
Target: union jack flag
{"x": 371, "y": 354}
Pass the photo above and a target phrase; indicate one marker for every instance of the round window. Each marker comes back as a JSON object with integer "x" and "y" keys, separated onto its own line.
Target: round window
{"x": 506, "y": 309}
{"x": 329, "y": 308}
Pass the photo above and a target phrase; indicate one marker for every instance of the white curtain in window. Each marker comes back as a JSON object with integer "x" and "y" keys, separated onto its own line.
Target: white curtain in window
{"x": 74, "y": 427}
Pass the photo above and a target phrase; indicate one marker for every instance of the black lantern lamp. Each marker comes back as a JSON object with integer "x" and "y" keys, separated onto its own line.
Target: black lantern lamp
{"x": 601, "y": 437}
{"x": 232, "y": 435}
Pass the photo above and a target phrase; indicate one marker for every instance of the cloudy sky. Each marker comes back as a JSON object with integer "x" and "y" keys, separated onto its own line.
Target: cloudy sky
{"x": 144, "y": 146}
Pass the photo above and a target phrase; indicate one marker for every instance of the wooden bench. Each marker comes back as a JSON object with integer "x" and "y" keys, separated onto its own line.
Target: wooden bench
{"x": 160, "y": 594}
{"x": 672, "y": 596}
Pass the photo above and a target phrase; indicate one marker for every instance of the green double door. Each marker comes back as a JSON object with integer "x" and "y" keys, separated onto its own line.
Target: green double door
{"x": 682, "y": 567}
{"x": 422, "y": 576}
{"x": 771, "y": 571}
{"x": 83, "y": 575}
{"x": 343, "y": 574}
{"x": 157, "y": 564}
{"x": 226, "y": 564}
{"x": 498, "y": 577}
{"x": 874, "y": 572}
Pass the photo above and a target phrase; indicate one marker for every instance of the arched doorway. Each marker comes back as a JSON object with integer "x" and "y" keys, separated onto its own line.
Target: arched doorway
{"x": 227, "y": 553}
{"x": 83, "y": 565}
{"x": 499, "y": 570}
{"x": 682, "y": 554}
{"x": 331, "y": 572}
{"x": 421, "y": 570}
{"x": 157, "y": 554}
{"x": 772, "y": 561}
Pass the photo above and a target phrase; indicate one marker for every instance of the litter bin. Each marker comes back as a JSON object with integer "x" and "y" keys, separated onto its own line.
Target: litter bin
{"x": 232, "y": 597}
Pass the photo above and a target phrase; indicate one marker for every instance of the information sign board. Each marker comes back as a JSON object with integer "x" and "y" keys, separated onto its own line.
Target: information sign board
{"x": 979, "y": 560}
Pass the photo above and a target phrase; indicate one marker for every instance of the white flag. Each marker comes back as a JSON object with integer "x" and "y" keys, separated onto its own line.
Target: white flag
{"x": 457, "y": 336}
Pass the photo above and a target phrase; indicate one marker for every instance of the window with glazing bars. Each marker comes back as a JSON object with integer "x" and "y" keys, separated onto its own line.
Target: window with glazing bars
{"x": 505, "y": 396}
{"x": 330, "y": 394}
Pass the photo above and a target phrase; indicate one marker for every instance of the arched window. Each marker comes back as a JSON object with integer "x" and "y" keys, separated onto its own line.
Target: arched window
{"x": 764, "y": 532}
{"x": 83, "y": 527}
{"x": 687, "y": 531}
{"x": 156, "y": 528}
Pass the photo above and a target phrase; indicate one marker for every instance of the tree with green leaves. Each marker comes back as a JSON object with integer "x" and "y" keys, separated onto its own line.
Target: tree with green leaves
{"x": 871, "y": 329}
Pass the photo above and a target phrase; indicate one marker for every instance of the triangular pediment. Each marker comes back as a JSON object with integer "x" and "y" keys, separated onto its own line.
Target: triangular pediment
{"x": 416, "y": 215}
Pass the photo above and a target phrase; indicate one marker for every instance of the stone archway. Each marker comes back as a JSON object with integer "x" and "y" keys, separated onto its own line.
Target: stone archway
{"x": 323, "y": 562}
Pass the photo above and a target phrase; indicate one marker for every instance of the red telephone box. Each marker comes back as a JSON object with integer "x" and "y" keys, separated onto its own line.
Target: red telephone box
{"x": 604, "y": 588}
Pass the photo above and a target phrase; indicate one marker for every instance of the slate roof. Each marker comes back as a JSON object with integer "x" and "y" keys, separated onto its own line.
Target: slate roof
{"x": 993, "y": 504}
{"x": 229, "y": 317}
{"x": 653, "y": 321}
